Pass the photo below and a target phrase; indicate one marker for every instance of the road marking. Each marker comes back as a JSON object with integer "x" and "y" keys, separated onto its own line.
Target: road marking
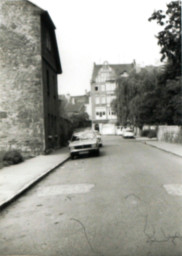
{"x": 174, "y": 189}
{"x": 65, "y": 189}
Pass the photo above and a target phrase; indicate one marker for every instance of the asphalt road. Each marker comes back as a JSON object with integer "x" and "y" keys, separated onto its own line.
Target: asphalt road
{"x": 126, "y": 202}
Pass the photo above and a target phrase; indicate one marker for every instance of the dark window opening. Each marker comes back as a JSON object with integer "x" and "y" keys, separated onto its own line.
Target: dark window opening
{"x": 48, "y": 41}
{"x": 54, "y": 85}
{"x": 48, "y": 82}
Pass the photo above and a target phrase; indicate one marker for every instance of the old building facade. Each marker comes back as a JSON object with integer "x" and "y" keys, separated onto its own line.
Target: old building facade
{"x": 29, "y": 66}
{"x": 103, "y": 86}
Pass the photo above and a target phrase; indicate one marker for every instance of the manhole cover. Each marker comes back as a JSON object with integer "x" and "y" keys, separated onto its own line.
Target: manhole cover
{"x": 174, "y": 189}
{"x": 66, "y": 189}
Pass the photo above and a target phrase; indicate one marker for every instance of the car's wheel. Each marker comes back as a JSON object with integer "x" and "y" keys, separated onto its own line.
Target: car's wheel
{"x": 97, "y": 152}
{"x": 72, "y": 156}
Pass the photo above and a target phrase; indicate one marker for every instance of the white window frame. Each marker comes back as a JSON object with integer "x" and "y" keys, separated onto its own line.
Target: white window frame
{"x": 97, "y": 100}
{"x": 103, "y": 100}
{"x": 103, "y": 87}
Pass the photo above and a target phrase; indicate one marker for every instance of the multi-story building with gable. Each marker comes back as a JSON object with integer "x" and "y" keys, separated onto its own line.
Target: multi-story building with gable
{"x": 103, "y": 86}
{"x": 29, "y": 65}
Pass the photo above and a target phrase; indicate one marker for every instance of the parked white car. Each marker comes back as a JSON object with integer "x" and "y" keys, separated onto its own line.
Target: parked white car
{"x": 128, "y": 133}
{"x": 84, "y": 143}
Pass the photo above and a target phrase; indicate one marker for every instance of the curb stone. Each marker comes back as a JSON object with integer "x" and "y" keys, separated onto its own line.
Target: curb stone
{"x": 167, "y": 151}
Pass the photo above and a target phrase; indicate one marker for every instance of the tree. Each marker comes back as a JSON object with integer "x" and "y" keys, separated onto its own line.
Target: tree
{"x": 170, "y": 104}
{"x": 144, "y": 101}
{"x": 170, "y": 37}
{"x": 137, "y": 98}
{"x": 121, "y": 104}
{"x": 80, "y": 120}
{"x": 149, "y": 97}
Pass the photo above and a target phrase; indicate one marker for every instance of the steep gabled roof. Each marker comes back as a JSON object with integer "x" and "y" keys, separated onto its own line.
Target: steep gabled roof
{"x": 83, "y": 99}
{"x": 118, "y": 68}
{"x": 47, "y": 19}
{"x": 74, "y": 108}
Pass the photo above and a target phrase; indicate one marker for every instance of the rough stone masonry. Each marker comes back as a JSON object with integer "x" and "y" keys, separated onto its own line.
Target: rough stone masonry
{"x": 21, "y": 92}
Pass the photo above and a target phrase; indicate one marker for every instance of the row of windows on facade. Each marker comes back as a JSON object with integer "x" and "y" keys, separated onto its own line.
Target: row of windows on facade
{"x": 105, "y": 87}
{"x": 105, "y": 75}
{"x": 103, "y": 113}
{"x": 104, "y": 100}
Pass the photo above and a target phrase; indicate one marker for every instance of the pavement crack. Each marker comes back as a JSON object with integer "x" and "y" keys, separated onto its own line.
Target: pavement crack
{"x": 133, "y": 195}
{"x": 86, "y": 236}
{"x": 151, "y": 238}
{"x": 68, "y": 198}
{"x": 39, "y": 205}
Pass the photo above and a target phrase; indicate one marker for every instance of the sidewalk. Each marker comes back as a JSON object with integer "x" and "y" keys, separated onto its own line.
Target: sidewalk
{"x": 175, "y": 149}
{"x": 16, "y": 179}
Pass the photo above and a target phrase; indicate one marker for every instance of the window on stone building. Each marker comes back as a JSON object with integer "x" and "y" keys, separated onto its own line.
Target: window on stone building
{"x": 96, "y": 88}
{"x": 48, "y": 40}
{"x": 97, "y": 100}
{"x": 110, "y": 86}
{"x": 110, "y": 98}
{"x": 49, "y": 124}
{"x": 100, "y": 113}
{"x": 55, "y": 125}
{"x": 54, "y": 86}
{"x": 103, "y": 87}
{"x": 103, "y": 100}
{"x": 48, "y": 82}
{"x": 111, "y": 113}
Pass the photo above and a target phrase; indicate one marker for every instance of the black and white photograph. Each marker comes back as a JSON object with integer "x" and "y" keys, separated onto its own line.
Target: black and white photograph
{"x": 90, "y": 128}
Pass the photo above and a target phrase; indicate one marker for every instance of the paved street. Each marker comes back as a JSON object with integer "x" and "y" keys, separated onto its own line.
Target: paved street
{"x": 127, "y": 202}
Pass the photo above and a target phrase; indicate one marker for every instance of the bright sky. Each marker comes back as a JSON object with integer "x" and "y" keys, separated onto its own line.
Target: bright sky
{"x": 88, "y": 31}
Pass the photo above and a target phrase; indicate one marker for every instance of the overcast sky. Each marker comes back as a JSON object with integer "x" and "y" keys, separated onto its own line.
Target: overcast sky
{"x": 88, "y": 31}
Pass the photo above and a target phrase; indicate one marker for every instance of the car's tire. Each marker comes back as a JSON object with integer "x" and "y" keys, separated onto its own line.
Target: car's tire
{"x": 72, "y": 156}
{"x": 97, "y": 152}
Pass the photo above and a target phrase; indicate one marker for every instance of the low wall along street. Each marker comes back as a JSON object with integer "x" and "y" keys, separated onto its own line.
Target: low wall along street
{"x": 172, "y": 133}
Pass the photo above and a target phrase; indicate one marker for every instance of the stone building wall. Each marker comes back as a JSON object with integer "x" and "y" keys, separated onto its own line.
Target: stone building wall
{"x": 21, "y": 92}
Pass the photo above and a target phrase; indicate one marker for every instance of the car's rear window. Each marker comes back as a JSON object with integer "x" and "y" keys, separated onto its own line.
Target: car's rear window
{"x": 129, "y": 130}
{"x": 83, "y": 136}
